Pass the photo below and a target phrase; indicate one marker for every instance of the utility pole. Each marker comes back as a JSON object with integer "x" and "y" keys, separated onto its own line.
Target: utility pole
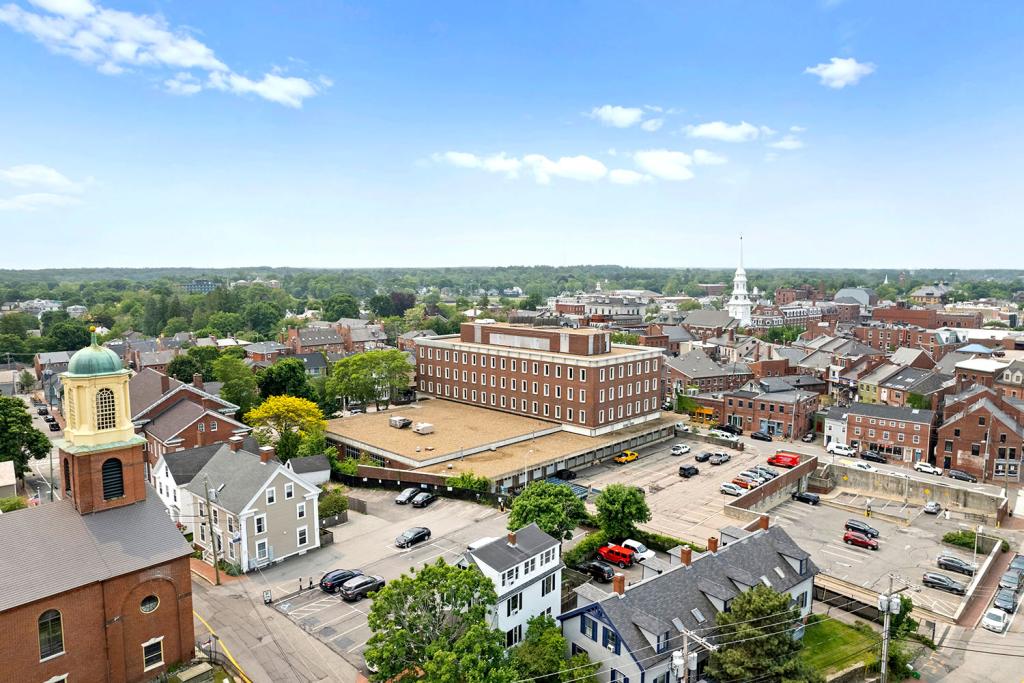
{"x": 884, "y": 603}
{"x": 209, "y": 521}
{"x": 686, "y": 656}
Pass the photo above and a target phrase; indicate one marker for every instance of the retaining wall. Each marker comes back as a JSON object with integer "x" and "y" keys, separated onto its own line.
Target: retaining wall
{"x": 749, "y": 507}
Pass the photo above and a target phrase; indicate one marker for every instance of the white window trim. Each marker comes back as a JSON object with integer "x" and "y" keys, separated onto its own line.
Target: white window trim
{"x": 300, "y": 510}
{"x": 289, "y": 491}
{"x": 255, "y": 526}
{"x": 270, "y": 492}
{"x": 298, "y": 530}
{"x": 158, "y": 639}
{"x": 57, "y": 679}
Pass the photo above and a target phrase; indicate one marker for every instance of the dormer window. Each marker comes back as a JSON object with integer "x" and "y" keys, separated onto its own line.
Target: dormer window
{"x": 663, "y": 642}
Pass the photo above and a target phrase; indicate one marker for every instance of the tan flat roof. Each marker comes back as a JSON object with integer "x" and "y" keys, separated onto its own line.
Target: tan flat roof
{"x": 457, "y": 426}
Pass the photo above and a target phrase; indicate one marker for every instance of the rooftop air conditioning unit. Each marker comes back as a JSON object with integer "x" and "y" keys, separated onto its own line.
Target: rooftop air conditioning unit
{"x": 423, "y": 428}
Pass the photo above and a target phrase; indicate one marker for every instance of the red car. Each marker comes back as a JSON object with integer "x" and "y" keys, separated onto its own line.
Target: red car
{"x": 859, "y": 539}
{"x": 616, "y": 554}
{"x": 743, "y": 483}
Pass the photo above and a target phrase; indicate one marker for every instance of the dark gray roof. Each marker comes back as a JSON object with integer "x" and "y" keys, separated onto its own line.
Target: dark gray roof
{"x": 311, "y": 463}
{"x": 917, "y": 381}
{"x": 241, "y": 472}
{"x": 77, "y": 550}
{"x": 183, "y": 465}
{"x": 145, "y": 388}
{"x": 696, "y": 364}
{"x": 148, "y": 358}
{"x": 709, "y": 318}
{"x": 670, "y": 597}
{"x": 677, "y": 333}
{"x": 313, "y": 360}
{"x": 313, "y": 336}
{"x": 265, "y": 347}
{"x": 417, "y": 334}
{"x": 499, "y": 555}
{"x": 891, "y": 412}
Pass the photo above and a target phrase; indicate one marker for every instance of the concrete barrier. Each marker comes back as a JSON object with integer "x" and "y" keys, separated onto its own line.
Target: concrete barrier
{"x": 979, "y": 576}
{"x": 714, "y": 441}
{"x": 752, "y": 504}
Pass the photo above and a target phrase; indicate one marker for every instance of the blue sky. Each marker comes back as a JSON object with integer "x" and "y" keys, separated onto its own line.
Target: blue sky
{"x": 330, "y": 134}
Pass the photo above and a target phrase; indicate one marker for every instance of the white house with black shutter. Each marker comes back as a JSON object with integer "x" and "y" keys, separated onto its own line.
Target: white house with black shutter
{"x": 526, "y": 568}
{"x": 634, "y": 630}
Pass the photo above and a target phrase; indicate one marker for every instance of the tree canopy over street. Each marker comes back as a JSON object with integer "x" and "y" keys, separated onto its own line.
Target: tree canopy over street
{"x": 371, "y": 377}
{"x": 553, "y": 507}
{"x": 619, "y": 509}
{"x": 19, "y": 440}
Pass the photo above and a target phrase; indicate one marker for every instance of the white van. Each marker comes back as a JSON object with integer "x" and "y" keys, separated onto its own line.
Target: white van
{"x": 840, "y": 448}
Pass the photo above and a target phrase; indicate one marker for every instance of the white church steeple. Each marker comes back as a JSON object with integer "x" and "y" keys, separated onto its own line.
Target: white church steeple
{"x": 739, "y": 305}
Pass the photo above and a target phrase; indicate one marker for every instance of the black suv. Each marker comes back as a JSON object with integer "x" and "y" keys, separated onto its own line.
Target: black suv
{"x": 1006, "y": 600}
{"x": 735, "y": 431}
{"x": 806, "y": 497}
{"x": 703, "y": 457}
{"x": 687, "y": 471}
{"x": 873, "y": 456}
{"x": 359, "y": 587}
{"x": 943, "y": 583}
{"x": 861, "y": 527}
{"x": 332, "y": 580}
{"x": 962, "y": 476}
{"x": 599, "y": 571}
{"x": 567, "y": 475}
{"x": 955, "y": 564}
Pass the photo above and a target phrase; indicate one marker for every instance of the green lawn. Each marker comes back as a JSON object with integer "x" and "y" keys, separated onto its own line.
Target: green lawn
{"x": 831, "y": 645}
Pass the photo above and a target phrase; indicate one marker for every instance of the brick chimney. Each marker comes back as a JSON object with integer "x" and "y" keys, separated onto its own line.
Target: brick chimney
{"x": 619, "y": 584}
{"x": 512, "y": 538}
{"x": 235, "y": 443}
{"x": 713, "y": 544}
{"x": 685, "y": 555}
{"x": 732, "y": 334}
{"x": 165, "y": 383}
{"x": 266, "y": 453}
{"x": 762, "y": 522}
{"x": 197, "y": 380}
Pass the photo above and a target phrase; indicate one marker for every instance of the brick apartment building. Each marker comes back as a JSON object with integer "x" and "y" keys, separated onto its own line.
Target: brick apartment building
{"x": 265, "y": 352}
{"x": 696, "y": 371}
{"x": 891, "y": 337}
{"x": 312, "y": 339}
{"x": 786, "y": 413}
{"x": 787, "y": 295}
{"x": 105, "y": 594}
{"x": 929, "y": 318}
{"x": 903, "y": 434}
{"x": 705, "y": 324}
{"x": 1011, "y": 382}
{"x": 576, "y": 377}
{"x": 983, "y": 371}
{"x": 982, "y": 433}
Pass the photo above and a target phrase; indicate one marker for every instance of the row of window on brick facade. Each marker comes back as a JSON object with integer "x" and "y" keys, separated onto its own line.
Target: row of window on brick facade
{"x": 541, "y": 369}
{"x": 51, "y": 637}
{"x": 900, "y": 436}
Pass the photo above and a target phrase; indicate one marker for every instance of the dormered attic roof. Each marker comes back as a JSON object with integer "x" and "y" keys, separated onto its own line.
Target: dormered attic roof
{"x": 500, "y": 556}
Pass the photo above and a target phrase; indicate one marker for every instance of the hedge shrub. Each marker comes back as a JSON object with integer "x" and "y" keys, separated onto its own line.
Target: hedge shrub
{"x": 333, "y": 503}
{"x": 470, "y": 482}
{"x": 663, "y": 543}
{"x": 12, "y": 503}
{"x": 585, "y": 549}
{"x": 345, "y": 466}
{"x": 965, "y": 539}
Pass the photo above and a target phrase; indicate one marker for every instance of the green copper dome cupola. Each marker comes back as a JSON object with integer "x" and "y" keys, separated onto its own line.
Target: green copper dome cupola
{"x": 94, "y": 360}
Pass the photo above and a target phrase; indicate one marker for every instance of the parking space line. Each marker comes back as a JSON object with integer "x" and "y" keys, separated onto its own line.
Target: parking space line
{"x": 346, "y": 632}
{"x": 321, "y": 626}
{"x": 359, "y": 646}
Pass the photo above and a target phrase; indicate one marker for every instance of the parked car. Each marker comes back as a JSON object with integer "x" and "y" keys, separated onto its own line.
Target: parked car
{"x": 332, "y": 580}
{"x": 54, "y": 427}
{"x": 858, "y": 465}
{"x": 640, "y": 551}
{"x": 679, "y": 449}
{"x": 840, "y": 448}
{"x": 49, "y": 418}
{"x": 927, "y": 468}
{"x": 724, "y": 436}
{"x": 423, "y": 499}
{"x": 703, "y": 457}
{"x": 808, "y": 437}
{"x": 765, "y": 471}
{"x": 995, "y": 620}
{"x": 567, "y": 475}
{"x": 684, "y": 428}
{"x": 729, "y": 429}
{"x": 760, "y": 436}
{"x": 626, "y": 456}
{"x": 1017, "y": 563}
{"x": 406, "y": 496}
{"x": 873, "y": 456}
{"x": 617, "y": 555}
{"x": 955, "y": 564}
{"x": 960, "y": 475}
{"x": 361, "y": 586}
{"x": 786, "y": 460}
{"x": 42, "y": 411}
{"x": 730, "y": 489}
{"x": 599, "y": 571}
{"x": 411, "y": 537}
{"x": 861, "y": 528}
{"x": 356, "y": 410}
{"x": 687, "y": 471}
{"x": 1006, "y": 600}
{"x": 859, "y": 539}
{"x": 744, "y": 483}
{"x": 932, "y": 507}
{"x": 943, "y": 583}
{"x": 755, "y": 475}
{"x": 1011, "y": 579}
{"x": 806, "y": 497}
{"x": 720, "y": 458}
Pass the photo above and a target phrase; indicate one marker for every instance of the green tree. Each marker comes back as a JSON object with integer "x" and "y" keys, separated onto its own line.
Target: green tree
{"x": 205, "y": 356}
{"x": 553, "y": 507}
{"x": 238, "y": 383}
{"x": 183, "y": 367}
{"x": 541, "y": 656}
{"x": 174, "y": 326}
{"x": 340, "y": 306}
{"x": 12, "y": 503}
{"x": 324, "y": 395}
{"x": 620, "y": 508}
{"x": 919, "y": 401}
{"x": 625, "y": 338}
{"x": 17, "y": 324}
{"x": 262, "y": 317}
{"x": 26, "y": 380}
{"x": 19, "y": 440}
{"x": 285, "y": 378}
{"x": 69, "y": 335}
{"x": 314, "y": 442}
{"x": 224, "y": 324}
{"x": 479, "y": 656}
{"x": 371, "y": 376}
{"x": 11, "y": 343}
{"x": 426, "y": 612}
{"x": 285, "y": 421}
{"x": 50, "y": 318}
{"x": 686, "y": 404}
{"x": 470, "y": 482}
{"x": 756, "y": 640}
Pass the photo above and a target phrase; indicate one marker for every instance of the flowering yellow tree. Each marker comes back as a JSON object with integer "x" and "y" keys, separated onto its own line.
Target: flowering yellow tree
{"x": 285, "y": 421}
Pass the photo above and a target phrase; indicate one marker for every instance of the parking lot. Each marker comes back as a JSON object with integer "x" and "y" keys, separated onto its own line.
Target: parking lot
{"x": 690, "y": 509}
{"x": 908, "y": 551}
{"x": 367, "y": 543}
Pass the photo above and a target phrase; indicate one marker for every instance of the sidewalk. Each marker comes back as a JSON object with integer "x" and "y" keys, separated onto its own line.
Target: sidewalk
{"x": 205, "y": 572}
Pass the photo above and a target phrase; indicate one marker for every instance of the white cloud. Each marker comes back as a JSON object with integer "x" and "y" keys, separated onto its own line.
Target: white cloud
{"x": 703, "y": 157}
{"x": 796, "y": 129}
{"x": 575, "y": 168}
{"x": 665, "y": 164}
{"x": 839, "y": 73}
{"x": 36, "y": 200}
{"x": 496, "y": 163}
{"x": 724, "y": 132}
{"x": 40, "y": 177}
{"x": 771, "y": 156}
{"x": 114, "y": 41}
{"x": 619, "y": 117}
{"x": 623, "y": 176}
{"x": 788, "y": 142}
{"x": 652, "y": 125}
{"x": 183, "y": 83}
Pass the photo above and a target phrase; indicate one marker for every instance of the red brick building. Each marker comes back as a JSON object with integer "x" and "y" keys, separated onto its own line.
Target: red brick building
{"x": 572, "y": 376}
{"x": 105, "y": 594}
{"x": 311, "y": 339}
{"x": 788, "y": 414}
{"x": 983, "y": 434}
{"x": 926, "y": 317}
{"x": 696, "y": 371}
{"x": 891, "y": 337}
{"x": 983, "y": 371}
{"x": 1011, "y": 382}
{"x": 903, "y": 434}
